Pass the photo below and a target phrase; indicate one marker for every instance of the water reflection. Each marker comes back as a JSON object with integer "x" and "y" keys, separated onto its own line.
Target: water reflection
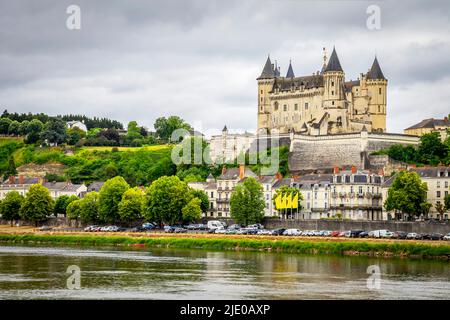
{"x": 118, "y": 273}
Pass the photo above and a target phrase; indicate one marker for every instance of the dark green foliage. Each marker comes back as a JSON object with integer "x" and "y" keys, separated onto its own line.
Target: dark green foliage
{"x": 165, "y": 127}
{"x": 203, "y": 197}
{"x": 247, "y": 202}
{"x": 109, "y": 198}
{"x": 37, "y": 205}
{"x": 10, "y": 206}
{"x": 54, "y": 131}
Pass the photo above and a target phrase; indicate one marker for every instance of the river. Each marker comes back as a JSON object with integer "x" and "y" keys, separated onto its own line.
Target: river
{"x": 34, "y": 272}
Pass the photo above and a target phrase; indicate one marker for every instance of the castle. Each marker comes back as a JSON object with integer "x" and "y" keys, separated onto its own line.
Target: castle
{"x": 322, "y": 103}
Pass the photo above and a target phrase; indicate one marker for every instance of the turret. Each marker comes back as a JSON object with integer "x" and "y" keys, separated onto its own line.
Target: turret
{"x": 290, "y": 72}
{"x": 377, "y": 90}
{"x": 334, "y": 100}
{"x": 265, "y": 84}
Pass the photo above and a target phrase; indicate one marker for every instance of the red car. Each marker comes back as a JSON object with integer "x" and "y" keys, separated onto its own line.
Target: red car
{"x": 334, "y": 234}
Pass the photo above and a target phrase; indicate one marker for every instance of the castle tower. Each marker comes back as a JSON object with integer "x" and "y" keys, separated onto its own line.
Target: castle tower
{"x": 377, "y": 89}
{"x": 265, "y": 84}
{"x": 290, "y": 72}
{"x": 334, "y": 100}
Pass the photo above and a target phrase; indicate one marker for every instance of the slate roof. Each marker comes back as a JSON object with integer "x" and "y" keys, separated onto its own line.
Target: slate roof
{"x": 286, "y": 84}
{"x": 333, "y": 63}
{"x": 432, "y": 172}
{"x": 282, "y": 182}
{"x": 348, "y": 85}
{"x": 375, "y": 72}
{"x": 233, "y": 174}
{"x": 95, "y": 186}
{"x": 26, "y": 180}
{"x": 266, "y": 179}
{"x": 62, "y": 186}
{"x": 430, "y": 123}
{"x": 290, "y": 72}
{"x": 268, "y": 70}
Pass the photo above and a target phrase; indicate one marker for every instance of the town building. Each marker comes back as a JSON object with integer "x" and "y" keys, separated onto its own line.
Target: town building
{"x": 228, "y": 146}
{"x": 430, "y": 125}
{"x": 21, "y": 184}
{"x": 438, "y": 182}
{"x": 322, "y": 102}
{"x": 315, "y": 190}
{"x": 58, "y": 189}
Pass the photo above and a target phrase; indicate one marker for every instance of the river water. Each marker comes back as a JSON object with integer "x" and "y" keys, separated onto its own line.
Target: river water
{"x": 142, "y": 273}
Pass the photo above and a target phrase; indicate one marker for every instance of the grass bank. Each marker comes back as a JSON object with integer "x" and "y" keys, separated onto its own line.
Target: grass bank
{"x": 388, "y": 249}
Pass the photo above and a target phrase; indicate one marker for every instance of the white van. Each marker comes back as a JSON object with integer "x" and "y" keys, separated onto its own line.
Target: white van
{"x": 215, "y": 224}
{"x": 382, "y": 234}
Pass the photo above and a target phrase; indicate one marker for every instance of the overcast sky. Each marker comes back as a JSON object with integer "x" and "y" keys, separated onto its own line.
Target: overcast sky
{"x": 139, "y": 60}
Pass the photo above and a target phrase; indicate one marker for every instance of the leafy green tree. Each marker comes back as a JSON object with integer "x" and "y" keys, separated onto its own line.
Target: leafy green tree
{"x": 38, "y": 204}
{"x": 34, "y": 130}
{"x": 164, "y": 127}
{"x": 203, "y": 197}
{"x": 62, "y": 203}
{"x": 130, "y": 207}
{"x": 23, "y": 128}
{"x": 165, "y": 198}
{"x": 447, "y": 202}
{"x": 110, "y": 197}
{"x": 192, "y": 211}
{"x": 431, "y": 149}
{"x": 14, "y": 128}
{"x": 10, "y": 206}
{"x": 89, "y": 207}
{"x": 54, "y": 131}
{"x": 74, "y": 135}
{"x": 4, "y": 125}
{"x": 11, "y": 169}
{"x": 407, "y": 194}
{"x": 247, "y": 202}
{"x": 440, "y": 208}
{"x": 74, "y": 210}
{"x": 111, "y": 171}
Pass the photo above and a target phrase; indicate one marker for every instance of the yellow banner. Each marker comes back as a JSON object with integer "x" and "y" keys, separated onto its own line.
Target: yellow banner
{"x": 295, "y": 201}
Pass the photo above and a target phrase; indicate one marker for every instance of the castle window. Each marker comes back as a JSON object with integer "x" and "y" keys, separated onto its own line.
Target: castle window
{"x": 332, "y": 103}
{"x": 285, "y": 107}
{"x": 261, "y": 92}
{"x": 306, "y": 105}
{"x": 332, "y": 83}
{"x": 296, "y": 107}
{"x": 379, "y": 90}
{"x": 332, "y": 92}
{"x": 379, "y": 109}
{"x": 275, "y": 106}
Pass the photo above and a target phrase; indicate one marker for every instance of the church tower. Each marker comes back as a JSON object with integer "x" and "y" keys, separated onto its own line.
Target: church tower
{"x": 376, "y": 86}
{"x": 334, "y": 100}
{"x": 265, "y": 84}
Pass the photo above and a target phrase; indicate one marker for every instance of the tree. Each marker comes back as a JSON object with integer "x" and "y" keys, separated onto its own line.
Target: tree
{"x": 37, "y": 205}
{"x": 407, "y": 194}
{"x": 110, "y": 197}
{"x": 23, "y": 128}
{"x": 34, "y": 130}
{"x": 440, "y": 208}
{"x": 165, "y": 198}
{"x": 4, "y": 125}
{"x": 130, "y": 207}
{"x": 11, "y": 169}
{"x": 74, "y": 135}
{"x": 10, "y": 206}
{"x": 14, "y": 128}
{"x": 164, "y": 127}
{"x": 447, "y": 202}
{"x": 192, "y": 211}
{"x": 247, "y": 202}
{"x": 203, "y": 197}
{"x": 431, "y": 149}
{"x": 74, "y": 210}
{"x": 89, "y": 207}
{"x": 54, "y": 131}
{"x": 62, "y": 203}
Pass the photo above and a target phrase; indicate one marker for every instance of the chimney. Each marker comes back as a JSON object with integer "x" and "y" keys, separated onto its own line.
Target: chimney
{"x": 224, "y": 169}
{"x": 354, "y": 169}
{"x": 381, "y": 172}
{"x": 11, "y": 179}
{"x": 241, "y": 171}
{"x": 21, "y": 179}
{"x": 278, "y": 176}
{"x": 335, "y": 169}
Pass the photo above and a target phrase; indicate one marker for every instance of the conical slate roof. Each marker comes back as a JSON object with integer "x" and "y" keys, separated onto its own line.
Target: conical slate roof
{"x": 290, "y": 72}
{"x": 268, "y": 71}
{"x": 333, "y": 63}
{"x": 224, "y": 128}
{"x": 375, "y": 72}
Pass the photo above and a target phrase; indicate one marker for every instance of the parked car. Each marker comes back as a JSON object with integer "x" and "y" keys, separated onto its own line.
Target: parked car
{"x": 412, "y": 235}
{"x": 263, "y": 232}
{"x": 148, "y": 226}
{"x": 355, "y": 233}
{"x": 179, "y": 230}
{"x": 214, "y": 224}
{"x": 447, "y": 236}
{"x": 363, "y": 234}
{"x": 277, "y": 232}
{"x": 235, "y": 227}
{"x": 347, "y": 234}
{"x": 256, "y": 226}
{"x": 202, "y": 226}
{"x": 426, "y": 236}
{"x": 91, "y": 228}
{"x": 137, "y": 229}
{"x": 192, "y": 227}
{"x": 342, "y": 234}
{"x": 292, "y": 232}
{"x": 45, "y": 228}
{"x": 400, "y": 235}
{"x": 335, "y": 234}
{"x": 169, "y": 229}
{"x": 436, "y": 236}
{"x": 382, "y": 233}
{"x": 220, "y": 230}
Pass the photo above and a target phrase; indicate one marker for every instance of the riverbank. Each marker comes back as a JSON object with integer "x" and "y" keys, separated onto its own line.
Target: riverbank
{"x": 328, "y": 246}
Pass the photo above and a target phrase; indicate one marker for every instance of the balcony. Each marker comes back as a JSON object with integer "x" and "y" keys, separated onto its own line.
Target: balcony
{"x": 223, "y": 200}
{"x": 351, "y": 194}
{"x": 360, "y": 194}
{"x": 334, "y": 194}
{"x": 342, "y": 194}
